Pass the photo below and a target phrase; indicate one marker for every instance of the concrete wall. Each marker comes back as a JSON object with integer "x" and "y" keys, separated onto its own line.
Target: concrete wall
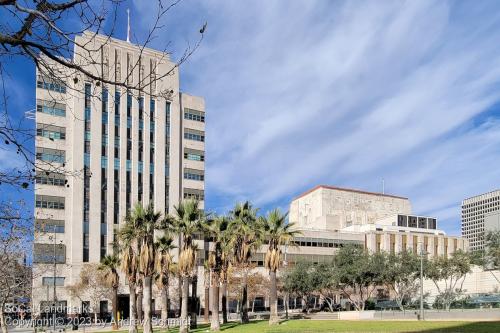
{"x": 330, "y": 208}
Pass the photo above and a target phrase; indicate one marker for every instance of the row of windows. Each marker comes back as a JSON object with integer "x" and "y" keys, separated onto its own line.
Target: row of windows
{"x": 194, "y": 194}
{"x": 49, "y": 281}
{"x": 194, "y": 157}
{"x": 50, "y": 84}
{"x": 195, "y": 115}
{"x": 48, "y": 201}
{"x": 51, "y": 179}
{"x": 50, "y": 155}
{"x": 51, "y": 134}
{"x": 194, "y": 135}
{"x": 194, "y": 176}
{"x": 50, "y": 226}
{"x": 51, "y": 110}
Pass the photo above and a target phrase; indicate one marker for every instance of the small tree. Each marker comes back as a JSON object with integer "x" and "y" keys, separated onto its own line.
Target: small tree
{"x": 109, "y": 265}
{"x": 401, "y": 275}
{"x": 448, "y": 273}
{"x": 298, "y": 281}
{"x": 92, "y": 286}
{"x": 358, "y": 273}
{"x": 323, "y": 280}
{"x": 492, "y": 250}
{"x": 15, "y": 275}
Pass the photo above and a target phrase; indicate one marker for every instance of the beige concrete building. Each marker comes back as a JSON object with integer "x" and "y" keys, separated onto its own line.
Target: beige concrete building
{"x": 120, "y": 147}
{"x": 333, "y": 208}
{"x": 474, "y": 210}
{"x": 385, "y": 221}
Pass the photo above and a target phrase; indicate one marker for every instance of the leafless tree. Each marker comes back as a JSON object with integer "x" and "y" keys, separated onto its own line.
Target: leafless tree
{"x": 92, "y": 287}
{"x": 15, "y": 275}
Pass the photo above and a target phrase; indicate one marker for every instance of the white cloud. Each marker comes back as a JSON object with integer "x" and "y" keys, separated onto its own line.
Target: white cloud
{"x": 301, "y": 93}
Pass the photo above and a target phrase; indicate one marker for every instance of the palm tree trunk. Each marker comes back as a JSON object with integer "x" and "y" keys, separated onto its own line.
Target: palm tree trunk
{"x": 139, "y": 302}
{"x": 207, "y": 304}
{"x": 224, "y": 302}
{"x": 244, "y": 299}
{"x": 273, "y": 300}
{"x": 132, "y": 328}
{"x": 194, "y": 303}
{"x": 147, "y": 326}
{"x": 114, "y": 304}
{"x": 215, "y": 324}
{"x": 184, "y": 325}
{"x": 164, "y": 302}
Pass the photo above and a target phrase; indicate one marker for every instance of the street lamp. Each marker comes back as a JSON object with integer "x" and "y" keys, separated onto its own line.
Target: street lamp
{"x": 285, "y": 264}
{"x": 422, "y": 281}
{"x": 54, "y": 280}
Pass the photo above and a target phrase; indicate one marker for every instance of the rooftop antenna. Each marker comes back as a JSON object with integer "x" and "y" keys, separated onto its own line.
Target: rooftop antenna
{"x": 128, "y": 25}
{"x": 383, "y": 186}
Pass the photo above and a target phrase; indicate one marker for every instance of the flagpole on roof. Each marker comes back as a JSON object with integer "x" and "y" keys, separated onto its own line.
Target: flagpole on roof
{"x": 128, "y": 25}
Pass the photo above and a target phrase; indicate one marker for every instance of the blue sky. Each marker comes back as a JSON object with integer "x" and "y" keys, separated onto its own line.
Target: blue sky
{"x": 301, "y": 93}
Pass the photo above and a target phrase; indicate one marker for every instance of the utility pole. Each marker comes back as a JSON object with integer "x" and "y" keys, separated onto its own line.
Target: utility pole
{"x": 285, "y": 264}
{"x": 54, "y": 284}
{"x": 422, "y": 281}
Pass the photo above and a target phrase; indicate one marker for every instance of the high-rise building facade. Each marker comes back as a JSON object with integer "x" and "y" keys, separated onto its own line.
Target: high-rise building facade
{"x": 474, "y": 211}
{"x": 101, "y": 148}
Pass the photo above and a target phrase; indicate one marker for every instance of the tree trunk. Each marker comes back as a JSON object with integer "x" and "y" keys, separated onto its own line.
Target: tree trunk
{"x": 224, "y": 302}
{"x": 147, "y": 325}
{"x": 164, "y": 302}
{"x": 114, "y": 304}
{"x": 273, "y": 300}
{"x": 244, "y": 300}
{"x": 194, "y": 303}
{"x": 132, "y": 328}
{"x": 215, "y": 324}
{"x": 2, "y": 320}
{"x": 207, "y": 304}
{"x": 184, "y": 325}
{"x": 139, "y": 302}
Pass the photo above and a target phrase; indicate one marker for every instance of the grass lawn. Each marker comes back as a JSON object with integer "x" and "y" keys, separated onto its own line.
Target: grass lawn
{"x": 306, "y": 326}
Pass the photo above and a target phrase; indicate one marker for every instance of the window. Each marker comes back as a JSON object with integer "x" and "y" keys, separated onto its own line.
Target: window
{"x": 44, "y": 253}
{"x": 49, "y": 226}
{"x": 51, "y": 132}
{"x": 50, "y": 155}
{"x": 51, "y": 108}
{"x": 194, "y": 135}
{"x": 49, "y": 281}
{"x": 190, "y": 114}
{"x": 194, "y": 155}
{"x": 194, "y": 174}
{"x": 48, "y": 201}
{"x": 47, "y": 83}
{"x": 50, "y": 179}
{"x": 194, "y": 194}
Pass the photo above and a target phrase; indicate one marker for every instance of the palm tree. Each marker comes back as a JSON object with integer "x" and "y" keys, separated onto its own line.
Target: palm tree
{"x": 217, "y": 231}
{"x": 130, "y": 261}
{"x": 188, "y": 221}
{"x": 246, "y": 238}
{"x": 109, "y": 264}
{"x": 164, "y": 245}
{"x": 146, "y": 222}
{"x": 277, "y": 233}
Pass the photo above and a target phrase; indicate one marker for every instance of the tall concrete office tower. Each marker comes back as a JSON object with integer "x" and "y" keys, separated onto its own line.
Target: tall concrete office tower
{"x": 102, "y": 148}
{"x": 474, "y": 212}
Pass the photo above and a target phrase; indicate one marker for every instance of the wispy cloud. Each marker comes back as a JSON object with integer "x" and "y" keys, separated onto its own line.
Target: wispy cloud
{"x": 306, "y": 92}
